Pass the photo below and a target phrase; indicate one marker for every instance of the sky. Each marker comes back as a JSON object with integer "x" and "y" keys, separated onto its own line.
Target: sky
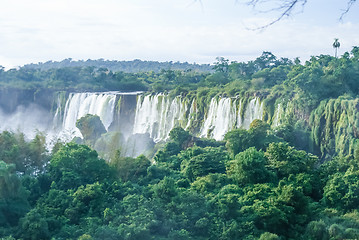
{"x": 162, "y": 30}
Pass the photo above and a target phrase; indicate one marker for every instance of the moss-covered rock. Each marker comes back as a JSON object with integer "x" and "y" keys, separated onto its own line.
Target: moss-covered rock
{"x": 91, "y": 128}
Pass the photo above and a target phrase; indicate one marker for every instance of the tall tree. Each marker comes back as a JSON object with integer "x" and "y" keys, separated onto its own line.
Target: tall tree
{"x": 336, "y": 45}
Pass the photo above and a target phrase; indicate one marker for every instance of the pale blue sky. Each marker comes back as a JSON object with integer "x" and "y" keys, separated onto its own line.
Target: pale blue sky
{"x": 162, "y": 30}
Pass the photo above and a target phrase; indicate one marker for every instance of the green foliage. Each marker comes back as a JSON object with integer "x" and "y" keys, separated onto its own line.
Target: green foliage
{"x": 210, "y": 184}
{"x": 123, "y": 66}
{"x": 333, "y": 225}
{"x": 34, "y": 226}
{"x": 268, "y": 236}
{"x": 13, "y": 196}
{"x": 286, "y": 160}
{"x": 249, "y": 167}
{"x": 342, "y": 189}
{"x": 75, "y": 165}
{"x": 165, "y": 189}
{"x": 130, "y": 169}
{"x": 10, "y": 149}
{"x": 215, "y": 79}
{"x": 257, "y": 136}
{"x": 237, "y": 141}
{"x": 89, "y": 200}
{"x": 197, "y": 162}
{"x": 186, "y": 194}
{"x": 28, "y": 157}
{"x": 179, "y": 135}
{"x": 297, "y": 135}
{"x": 335, "y": 126}
{"x": 317, "y": 230}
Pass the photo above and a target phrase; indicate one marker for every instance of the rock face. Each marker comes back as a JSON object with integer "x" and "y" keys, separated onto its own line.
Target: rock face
{"x": 91, "y": 128}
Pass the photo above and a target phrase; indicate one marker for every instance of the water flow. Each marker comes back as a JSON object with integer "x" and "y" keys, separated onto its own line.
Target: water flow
{"x": 80, "y": 104}
{"x": 158, "y": 114}
{"x": 221, "y": 118}
{"x": 239, "y": 115}
{"x": 254, "y": 110}
{"x": 191, "y": 115}
{"x": 277, "y": 115}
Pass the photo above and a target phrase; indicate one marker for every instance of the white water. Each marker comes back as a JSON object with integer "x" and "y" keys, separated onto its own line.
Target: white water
{"x": 277, "y": 115}
{"x": 225, "y": 114}
{"x": 158, "y": 114}
{"x": 221, "y": 118}
{"x": 254, "y": 110}
{"x": 154, "y": 114}
{"x": 191, "y": 117}
{"x": 239, "y": 115}
{"x": 80, "y": 104}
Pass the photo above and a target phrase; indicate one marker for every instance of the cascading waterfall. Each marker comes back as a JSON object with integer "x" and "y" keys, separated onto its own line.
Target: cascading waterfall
{"x": 80, "y": 104}
{"x": 155, "y": 115}
{"x": 192, "y": 111}
{"x": 282, "y": 113}
{"x": 57, "y": 120}
{"x": 221, "y": 118}
{"x": 239, "y": 115}
{"x": 158, "y": 114}
{"x": 254, "y": 110}
{"x": 277, "y": 115}
{"x": 225, "y": 114}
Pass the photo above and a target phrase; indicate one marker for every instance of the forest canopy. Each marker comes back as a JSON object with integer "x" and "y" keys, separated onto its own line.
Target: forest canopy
{"x": 266, "y": 190}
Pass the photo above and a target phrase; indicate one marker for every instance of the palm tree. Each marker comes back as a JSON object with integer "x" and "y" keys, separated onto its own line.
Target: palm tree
{"x": 336, "y": 45}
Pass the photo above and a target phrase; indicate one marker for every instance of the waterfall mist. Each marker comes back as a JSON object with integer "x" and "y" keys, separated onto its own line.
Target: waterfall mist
{"x": 27, "y": 119}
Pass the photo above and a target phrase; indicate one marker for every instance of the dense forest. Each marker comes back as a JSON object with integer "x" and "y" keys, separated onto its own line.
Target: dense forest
{"x": 123, "y": 66}
{"x": 267, "y": 182}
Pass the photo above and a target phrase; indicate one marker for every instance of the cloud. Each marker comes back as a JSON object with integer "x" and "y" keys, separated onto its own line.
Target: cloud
{"x": 43, "y": 30}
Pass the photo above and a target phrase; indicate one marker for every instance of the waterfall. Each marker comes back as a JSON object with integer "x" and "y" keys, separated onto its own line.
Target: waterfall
{"x": 277, "y": 115}
{"x": 192, "y": 111}
{"x": 224, "y": 115}
{"x": 155, "y": 114}
{"x": 80, "y": 104}
{"x": 254, "y": 110}
{"x": 221, "y": 118}
{"x": 158, "y": 114}
{"x": 239, "y": 115}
